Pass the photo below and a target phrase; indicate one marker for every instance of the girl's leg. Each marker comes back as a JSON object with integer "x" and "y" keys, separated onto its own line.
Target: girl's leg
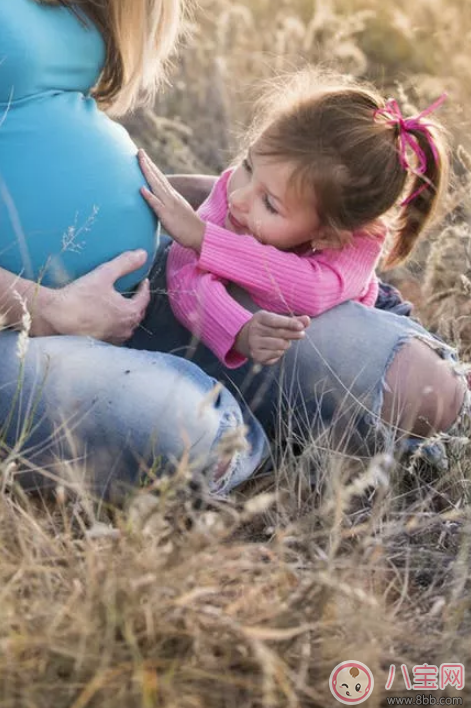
{"x": 113, "y": 414}
{"x": 423, "y": 394}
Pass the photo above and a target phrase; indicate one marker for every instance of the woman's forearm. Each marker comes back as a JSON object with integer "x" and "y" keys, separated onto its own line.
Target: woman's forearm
{"x": 13, "y": 292}
{"x": 195, "y": 188}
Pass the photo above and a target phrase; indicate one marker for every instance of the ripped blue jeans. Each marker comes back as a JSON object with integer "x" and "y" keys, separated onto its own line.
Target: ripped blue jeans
{"x": 328, "y": 387}
{"x": 88, "y": 414}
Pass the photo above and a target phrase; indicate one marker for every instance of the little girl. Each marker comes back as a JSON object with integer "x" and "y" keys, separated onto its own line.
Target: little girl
{"x": 297, "y": 221}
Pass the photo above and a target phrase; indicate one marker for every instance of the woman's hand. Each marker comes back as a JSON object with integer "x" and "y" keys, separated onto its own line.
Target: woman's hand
{"x": 92, "y": 307}
{"x": 176, "y": 215}
{"x": 267, "y": 336}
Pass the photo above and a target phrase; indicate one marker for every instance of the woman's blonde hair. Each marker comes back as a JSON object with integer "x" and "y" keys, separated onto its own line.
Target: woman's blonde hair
{"x": 140, "y": 35}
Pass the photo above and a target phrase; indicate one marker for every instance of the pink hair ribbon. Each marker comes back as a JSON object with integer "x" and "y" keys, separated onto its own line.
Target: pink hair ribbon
{"x": 393, "y": 116}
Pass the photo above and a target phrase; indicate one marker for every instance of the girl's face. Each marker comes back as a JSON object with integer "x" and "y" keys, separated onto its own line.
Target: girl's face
{"x": 262, "y": 204}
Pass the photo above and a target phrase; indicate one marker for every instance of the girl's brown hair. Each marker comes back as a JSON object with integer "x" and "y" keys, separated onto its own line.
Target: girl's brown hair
{"x": 349, "y": 159}
{"x": 140, "y": 36}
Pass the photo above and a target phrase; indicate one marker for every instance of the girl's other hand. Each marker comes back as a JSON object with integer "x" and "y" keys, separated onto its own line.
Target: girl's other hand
{"x": 91, "y": 306}
{"x": 176, "y": 215}
{"x": 267, "y": 336}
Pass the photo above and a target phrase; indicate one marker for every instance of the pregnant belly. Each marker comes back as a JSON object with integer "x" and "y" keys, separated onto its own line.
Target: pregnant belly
{"x": 69, "y": 191}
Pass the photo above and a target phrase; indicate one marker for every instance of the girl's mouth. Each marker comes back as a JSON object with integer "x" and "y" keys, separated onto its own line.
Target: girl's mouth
{"x": 234, "y": 222}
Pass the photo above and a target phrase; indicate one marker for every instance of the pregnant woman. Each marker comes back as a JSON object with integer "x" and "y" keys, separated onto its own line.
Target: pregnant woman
{"x": 69, "y": 201}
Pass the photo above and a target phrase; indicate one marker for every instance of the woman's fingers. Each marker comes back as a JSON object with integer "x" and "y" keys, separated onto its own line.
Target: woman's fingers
{"x": 125, "y": 263}
{"x": 141, "y": 297}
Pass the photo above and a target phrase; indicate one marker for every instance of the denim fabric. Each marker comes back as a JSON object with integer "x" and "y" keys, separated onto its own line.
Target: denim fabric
{"x": 390, "y": 299}
{"x": 328, "y": 386}
{"x": 115, "y": 413}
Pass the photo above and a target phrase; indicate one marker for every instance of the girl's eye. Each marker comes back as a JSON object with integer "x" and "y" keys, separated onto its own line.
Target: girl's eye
{"x": 358, "y": 687}
{"x": 269, "y": 205}
{"x": 246, "y": 165}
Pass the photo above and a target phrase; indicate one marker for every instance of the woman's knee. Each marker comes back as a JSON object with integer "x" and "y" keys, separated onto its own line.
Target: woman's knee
{"x": 423, "y": 393}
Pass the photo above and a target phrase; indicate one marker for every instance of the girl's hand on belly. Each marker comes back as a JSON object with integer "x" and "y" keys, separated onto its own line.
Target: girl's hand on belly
{"x": 91, "y": 306}
{"x": 177, "y": 216}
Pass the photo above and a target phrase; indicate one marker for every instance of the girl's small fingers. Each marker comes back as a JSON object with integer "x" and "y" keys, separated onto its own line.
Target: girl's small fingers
{"x": 151, "y": 171}
{"x": 305, "y": 320}
{"x": 282, "y": 334}
{"x": 269, "y": 357}
{"x": 158, "y": 175}
{"x": 271, "y": 319}
{"x": 146, "y": 164}
{"x": 270, "y": 362}
{"x": 270, "y": 344}
{"x": 279, "y": 322}
{"x": 151, "y": 197}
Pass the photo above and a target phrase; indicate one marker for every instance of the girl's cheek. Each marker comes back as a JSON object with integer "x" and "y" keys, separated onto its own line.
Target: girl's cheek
{"x": 260, "y": 229}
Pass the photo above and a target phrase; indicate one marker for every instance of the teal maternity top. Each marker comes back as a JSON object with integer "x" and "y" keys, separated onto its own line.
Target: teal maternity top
{"x": 69, "y": 178}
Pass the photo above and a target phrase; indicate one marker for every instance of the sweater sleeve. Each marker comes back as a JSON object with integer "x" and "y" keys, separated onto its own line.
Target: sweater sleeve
{"x": 286, "y": 282}
{"x": 200, "y": 301}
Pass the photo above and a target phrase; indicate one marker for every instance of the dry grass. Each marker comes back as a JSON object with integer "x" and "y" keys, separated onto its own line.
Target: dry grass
{"x": 251, "y": 602}
{"x": 174, "y": 603}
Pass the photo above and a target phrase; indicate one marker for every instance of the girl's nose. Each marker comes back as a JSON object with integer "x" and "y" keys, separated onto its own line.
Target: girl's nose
{"x": 240, "y": 199}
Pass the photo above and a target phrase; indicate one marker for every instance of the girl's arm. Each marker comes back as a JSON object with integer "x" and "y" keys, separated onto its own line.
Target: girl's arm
{"x": 286, "y": 282}
{"x": 202, "y": 304}
{"x": 200, "y": 301}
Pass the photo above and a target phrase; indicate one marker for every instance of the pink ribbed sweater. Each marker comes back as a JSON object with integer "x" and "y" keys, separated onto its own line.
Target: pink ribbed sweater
{"x": 306, "y": 283}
